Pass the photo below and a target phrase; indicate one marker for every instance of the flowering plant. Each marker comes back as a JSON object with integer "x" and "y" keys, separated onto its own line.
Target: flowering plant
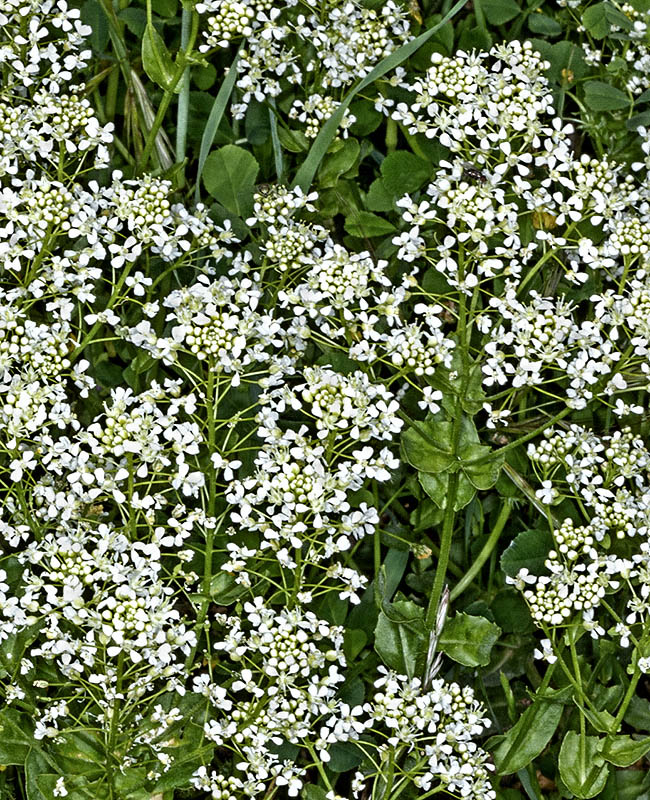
{"x": 310, "y": 487}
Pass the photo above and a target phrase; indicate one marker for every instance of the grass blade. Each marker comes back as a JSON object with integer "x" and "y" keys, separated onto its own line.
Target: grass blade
{"x": 218, "y": 107}
{"x": 277, "y": 147}
{"x": 326, "y": 135}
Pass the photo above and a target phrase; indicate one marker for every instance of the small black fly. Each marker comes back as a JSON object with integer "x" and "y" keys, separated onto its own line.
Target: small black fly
{"x": 472, "y": 173}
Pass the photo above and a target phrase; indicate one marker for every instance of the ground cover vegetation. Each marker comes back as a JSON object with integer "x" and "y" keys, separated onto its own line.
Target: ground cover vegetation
{"x": 324, "y": 372}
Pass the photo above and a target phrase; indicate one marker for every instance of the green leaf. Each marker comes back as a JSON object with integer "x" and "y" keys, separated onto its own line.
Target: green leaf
{"x": 600, "y": 96}
{"x": 229, "y": 175}
{"x": 204, "y": 77}
{"x": 344, "y": 756}
{"x": 338, "y": 163}
{"x": 600, "y": 19}
{"x": 511, "y": 612}
{"x": 366, "y": 225}
{"x": 224, "y": 590}
{"x": 529, "y": 549}
{"x": 486, "y": 473}
{"x": 329, "y": 130}
{"x": 602, "y": 721}
{"x": 638, "y": 714}
{"x": 293, "y": 141}
{"x": 368, "y": 119}
{"x": 527, "y": 738}
{"x": 36, "y": 765}
{"x": 214, "y": 120}
{"x": 15, "y": 738}
{"x": 355, "y": 641}
{"x": 469, "y": 640}
{"x": 93, "y": 15}
{"x": 131, "y": 782}
{"x": 165, "y": 8}
{"x": 623, "y": 751}
{"x": 637, "y": 121}
{"x": 399, "y": 635}
{"x": 256, "y": 123}
{"x": 436, "y": 486}
{"x": 404, "y": 173}
{"x": 476, "y": 38}
{"x": 311, "y": 792}
{"x": 543, "y": 24}
{"x": 582, "y": 768}
{"x": 629, "y": 784}
{"x": 79, "y": 753}
{"x": 427, "y": 446}
{"x": 500, "y": 11}
{"x": 391, "y": 573}
{"x": 76, "y": 788}
{"x": 378, "y": 197}
{"x": 135, "y": 20}
{"x": 156, "y": 60}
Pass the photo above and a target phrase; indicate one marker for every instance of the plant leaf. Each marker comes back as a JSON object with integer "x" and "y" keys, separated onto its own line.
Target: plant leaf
{"x": 156, "y": 60}
{"x": 214, "y": 120}
{"x": 582, "y": 768}
{"x": 600, "y": 96}
{"x": 364, "y": 224}
{"x": 528, "y": 549}
{"x": 229, "y": 175}
{"x": 469, "y": 639}
{"x": 527, "y": 737}
{"x": 623, "y": 751}
{"x": 404, "y": 172}
{"x": 399, "y": 635}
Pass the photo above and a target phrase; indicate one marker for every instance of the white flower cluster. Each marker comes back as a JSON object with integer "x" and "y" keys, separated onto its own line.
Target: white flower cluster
{"x": 299, "y": 493}
{"x": 506, "y": 203}
{"x": 610, "y": 476}
{"x": 292, "y": 661}
{"x": 284, "y": 48}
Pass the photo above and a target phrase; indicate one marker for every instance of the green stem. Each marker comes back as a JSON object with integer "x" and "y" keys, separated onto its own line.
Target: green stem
{"x": 115, "y": 718}
{"x": 483, "y": 556}
{"x": 449, "y": 519}
{"x": 275, "y": 139}
{"x": 391, "y": 135}
{"x": 182, "y": 63}
{"x": 113, "y": 299}
{"x": 183, "y": 97}
{"x": 211, "y": 408}
{"x": 629, "y": 694}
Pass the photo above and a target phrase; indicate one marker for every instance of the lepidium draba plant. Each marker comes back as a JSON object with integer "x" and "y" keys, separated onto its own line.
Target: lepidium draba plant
{"x": 238, "y": 459}
{"x": 179, "y": 541}
{"x": 539, "y": 259}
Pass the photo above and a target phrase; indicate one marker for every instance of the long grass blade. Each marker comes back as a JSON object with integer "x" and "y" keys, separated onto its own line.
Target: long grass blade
{"x": 277, "y": 147}
{"x": 214, "y": 120}
{"x": 305, "y": 174}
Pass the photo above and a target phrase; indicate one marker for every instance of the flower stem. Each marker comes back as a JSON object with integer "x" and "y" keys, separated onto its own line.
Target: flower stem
{"x": 485, "y": 553}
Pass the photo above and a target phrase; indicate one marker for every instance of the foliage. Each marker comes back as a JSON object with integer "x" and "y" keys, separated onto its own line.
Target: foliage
{"x": 324, "y": 463}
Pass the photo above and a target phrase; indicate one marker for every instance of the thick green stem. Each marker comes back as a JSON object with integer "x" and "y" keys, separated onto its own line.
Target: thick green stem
{"x": 183, "y": 97}
{"x": 485, "y": 553}
{"x": 449, "y": 519}
{"x": 629, "y": 694}
{"x": 445, "y": 549}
